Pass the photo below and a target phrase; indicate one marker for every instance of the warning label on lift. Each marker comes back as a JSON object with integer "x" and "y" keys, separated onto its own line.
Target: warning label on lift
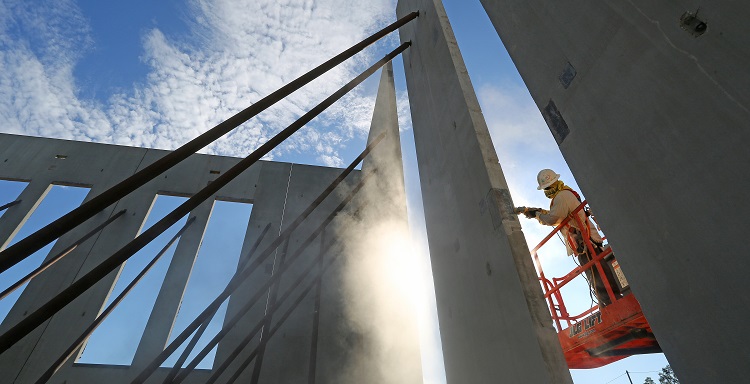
{"x": 586, "y": 326}
{"x": 620, "y": 276}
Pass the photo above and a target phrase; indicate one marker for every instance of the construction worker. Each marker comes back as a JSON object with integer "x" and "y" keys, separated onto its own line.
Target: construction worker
{"x": 564, "y": 201}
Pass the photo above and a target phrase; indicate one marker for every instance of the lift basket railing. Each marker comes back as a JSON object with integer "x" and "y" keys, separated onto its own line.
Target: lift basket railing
{"x": 552, "y": 287}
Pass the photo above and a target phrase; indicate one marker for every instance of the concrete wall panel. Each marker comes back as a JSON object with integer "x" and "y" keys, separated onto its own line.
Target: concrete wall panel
{"x": 279, "y": 192}
{"x": 494, "y": 323}
{"x": 658, "y": 125}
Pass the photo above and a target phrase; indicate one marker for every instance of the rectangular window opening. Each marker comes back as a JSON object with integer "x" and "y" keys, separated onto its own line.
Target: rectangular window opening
{"x": 58, "y": 201}
{"x": 115, "y": 341}
{"x": 216, "y": 263}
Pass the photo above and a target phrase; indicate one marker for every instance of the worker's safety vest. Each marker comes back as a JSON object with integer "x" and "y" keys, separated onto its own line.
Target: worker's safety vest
{"x": 586, "y": 222}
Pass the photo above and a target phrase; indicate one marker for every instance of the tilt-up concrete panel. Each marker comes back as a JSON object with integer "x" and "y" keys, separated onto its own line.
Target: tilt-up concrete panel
{"x": 99, "y": 166}
{"x": 385, "y": 198}
{"x": 286, "y": 357}
{"x": 278, "y": 192}
{"x": 649, "y": 102}
{"x": 380, "y": 328}
{"x": 494, "y": 324}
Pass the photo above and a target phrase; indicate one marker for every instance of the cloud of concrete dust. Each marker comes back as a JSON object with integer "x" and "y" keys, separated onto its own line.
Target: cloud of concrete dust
{"x": 383, "y": 283}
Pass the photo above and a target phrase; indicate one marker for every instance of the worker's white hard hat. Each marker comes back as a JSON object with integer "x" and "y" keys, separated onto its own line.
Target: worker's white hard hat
{"x": 546, "y": 177}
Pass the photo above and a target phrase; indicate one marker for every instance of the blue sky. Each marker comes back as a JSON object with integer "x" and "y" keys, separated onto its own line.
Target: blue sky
{"x": 158, "y": 73}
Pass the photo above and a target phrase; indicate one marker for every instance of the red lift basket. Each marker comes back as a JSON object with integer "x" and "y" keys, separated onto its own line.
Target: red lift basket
{"x": 599, "y": 335}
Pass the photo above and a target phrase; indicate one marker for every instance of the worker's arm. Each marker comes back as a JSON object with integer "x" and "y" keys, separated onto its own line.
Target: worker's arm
{"x": 558, "y": 212}
{"x": 529, "y": 212}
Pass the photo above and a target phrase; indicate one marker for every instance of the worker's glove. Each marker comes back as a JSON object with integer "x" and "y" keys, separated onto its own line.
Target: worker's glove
{"x": 530, "y": 213}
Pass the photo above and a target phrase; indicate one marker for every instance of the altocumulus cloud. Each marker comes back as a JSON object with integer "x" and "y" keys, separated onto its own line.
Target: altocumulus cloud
{"x": 234, "y": 53}
{"x": 37, "y": 89}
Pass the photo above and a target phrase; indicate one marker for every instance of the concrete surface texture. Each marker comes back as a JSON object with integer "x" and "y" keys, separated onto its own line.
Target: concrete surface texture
{"x": 279, "y": 192}
{"x": 494, "y": 324}
{"x": 650, "y": 103}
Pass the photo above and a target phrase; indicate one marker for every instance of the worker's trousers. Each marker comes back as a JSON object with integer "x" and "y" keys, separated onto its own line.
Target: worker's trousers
{"x": 597, "y": 284}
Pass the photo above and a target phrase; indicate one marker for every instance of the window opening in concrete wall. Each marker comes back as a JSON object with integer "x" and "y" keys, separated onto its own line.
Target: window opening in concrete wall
{"x": 116, "y": 339}
{"x": 58, "y": 201}
{"x": 216, "y": 263}
{"x": 9, "y": 192}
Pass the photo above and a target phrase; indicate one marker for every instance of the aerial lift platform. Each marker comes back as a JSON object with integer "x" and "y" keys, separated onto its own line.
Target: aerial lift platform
{"x": 601, "y": 334}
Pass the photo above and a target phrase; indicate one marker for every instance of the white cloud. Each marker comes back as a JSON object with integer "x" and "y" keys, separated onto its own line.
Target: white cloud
{"x": 235, "y": 53}
{"x": 404, "y": 114}
{"x": 37, "y": 89}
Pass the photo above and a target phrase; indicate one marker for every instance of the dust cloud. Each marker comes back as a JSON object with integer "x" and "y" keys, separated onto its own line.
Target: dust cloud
{"x": 383, "y": 278}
